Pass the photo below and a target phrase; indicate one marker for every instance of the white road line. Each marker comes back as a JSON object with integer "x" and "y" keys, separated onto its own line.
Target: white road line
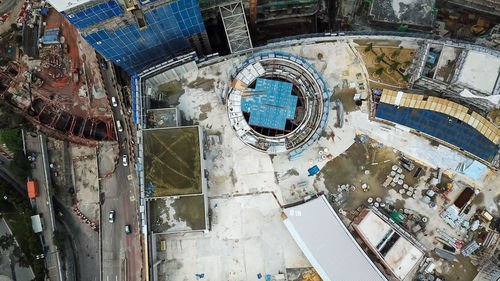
{"x": 107, "y": 277}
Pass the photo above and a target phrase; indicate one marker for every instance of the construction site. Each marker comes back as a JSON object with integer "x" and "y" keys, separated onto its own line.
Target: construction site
{"x": 267, "y": 140}
{"x": 57, "y": 79}
{"x": 421, "y": 170}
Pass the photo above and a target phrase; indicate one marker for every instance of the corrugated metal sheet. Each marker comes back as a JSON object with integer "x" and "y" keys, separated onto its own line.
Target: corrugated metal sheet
{"x": 327, "y": 243}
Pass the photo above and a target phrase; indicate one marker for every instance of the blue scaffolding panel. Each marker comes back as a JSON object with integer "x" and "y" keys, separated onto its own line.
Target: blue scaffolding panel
{"x": 168, "y": 27}
{"x": 270, "y": 104}
{"x": 95, "y": 14}
{"x": 441, "y": 126}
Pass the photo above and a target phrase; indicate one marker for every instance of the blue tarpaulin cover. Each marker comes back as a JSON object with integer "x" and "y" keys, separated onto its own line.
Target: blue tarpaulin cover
{"x": 270, "y": 104}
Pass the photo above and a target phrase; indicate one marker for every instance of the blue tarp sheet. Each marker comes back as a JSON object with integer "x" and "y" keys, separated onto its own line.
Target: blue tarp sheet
{"x": 272, "y": 107}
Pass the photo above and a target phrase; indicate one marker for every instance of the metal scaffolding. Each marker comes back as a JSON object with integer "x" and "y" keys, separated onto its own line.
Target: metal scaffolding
{"x": 235, "y": 26}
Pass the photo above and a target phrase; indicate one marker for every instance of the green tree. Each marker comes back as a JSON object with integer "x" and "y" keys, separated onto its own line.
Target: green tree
{"x": 379, "y": 71}
{"x": 394, "y": 66}
{"x": 380, "y": 57}
{"x": 21, "y": 258}
{"x": 17, "y": 119}
{"x": 369, "y": 47}
{"x": 20, "y": 224}
{"x": 20, "y": 166}
{"x": 406, "y": 77}
{"x": 408, "y": 63}
{"x": 6, "y": 241}
{"x": 12, "y": 139}
{"x": 397, "y": 52}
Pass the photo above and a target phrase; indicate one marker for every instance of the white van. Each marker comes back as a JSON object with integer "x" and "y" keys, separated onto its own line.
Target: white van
{"x": 119, "y": 126}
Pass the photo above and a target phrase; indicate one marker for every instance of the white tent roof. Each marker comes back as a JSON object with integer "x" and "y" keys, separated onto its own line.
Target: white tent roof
{"x": 327, "y": 243}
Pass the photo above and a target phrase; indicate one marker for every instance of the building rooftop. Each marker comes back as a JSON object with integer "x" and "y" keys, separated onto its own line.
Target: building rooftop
{"x": 399, "y": 254}
{"x": 321, "y": 236}
{"x": 445, "y": 120}
{"x": 411, "y": 12}
{"x": 172, "y": 162}
{"x": 270, "y": 104}
{"x": 480, "y": 72}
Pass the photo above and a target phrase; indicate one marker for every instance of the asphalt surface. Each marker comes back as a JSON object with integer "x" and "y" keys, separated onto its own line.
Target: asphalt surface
{"x": 121, "y": 252}
{"x": 33, "y": 144}
{"x": 63, "y": 223}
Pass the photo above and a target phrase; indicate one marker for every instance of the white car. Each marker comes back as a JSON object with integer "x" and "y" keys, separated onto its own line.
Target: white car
{"x": 127, "y": 229}
{"x": 125, "y": 160}
{"x": 119, "y": 126}
{"x": 113, "y": 102}
{"x": 112, "y": 216}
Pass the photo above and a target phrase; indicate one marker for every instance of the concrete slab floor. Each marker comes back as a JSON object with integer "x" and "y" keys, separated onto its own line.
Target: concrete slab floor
{"x": 247, "y": 238}
{"x": 246, "y": 220}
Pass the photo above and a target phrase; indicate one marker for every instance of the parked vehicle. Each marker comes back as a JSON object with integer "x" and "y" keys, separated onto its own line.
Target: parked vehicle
{"x": 112, "y": 216}
{"x": 128, "y": 229}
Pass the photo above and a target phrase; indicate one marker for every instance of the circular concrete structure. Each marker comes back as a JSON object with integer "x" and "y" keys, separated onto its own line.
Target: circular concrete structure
{"x": 278, "y": 102}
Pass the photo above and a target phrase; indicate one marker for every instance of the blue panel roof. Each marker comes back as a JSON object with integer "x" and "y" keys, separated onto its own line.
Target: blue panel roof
{"x": 271, "y": 107}
{"x": 441, "y": 126}
{"x": 165, "y": 37}
{"x": 51, "y": 36}
{"x": 95, "y": 14}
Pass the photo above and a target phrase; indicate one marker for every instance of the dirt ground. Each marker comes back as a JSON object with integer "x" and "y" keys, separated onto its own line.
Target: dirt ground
{"x": 346, "y": 96}
{"x": 393, "y": 77}
{"x": 349, "y": 168}
{"x": 370, "y": 163}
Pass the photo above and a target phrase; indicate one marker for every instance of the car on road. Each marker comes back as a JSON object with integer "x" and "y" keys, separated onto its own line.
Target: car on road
{"x": 104, "y": 64}
{"x": 113, "y": 102}
{"x": 119, "y": 126}
{"x": 127, "y": 229}
{"x": 112, "y": 216}
{"x": 125, "y": 160}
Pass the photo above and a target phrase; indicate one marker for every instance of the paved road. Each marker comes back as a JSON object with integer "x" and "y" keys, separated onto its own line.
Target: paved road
{"x": 43, "y": 207}
{"x": 121, "y": 252}
{"x": 75, "y": 253}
